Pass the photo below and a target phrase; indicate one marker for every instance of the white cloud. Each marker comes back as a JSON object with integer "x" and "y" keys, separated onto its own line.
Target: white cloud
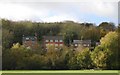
{"x": 18, "y": 12}
{"x": 103, "y": 9}
{"x": 58, "y": 0}
{"x": 56, "y": 11}
{"x": 11, "y": 11}
{"x": 59, "y": 18}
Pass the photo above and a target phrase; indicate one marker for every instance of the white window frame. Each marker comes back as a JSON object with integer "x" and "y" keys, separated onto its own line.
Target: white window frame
{"x": 56, "y": 45}
{"x": 56, "y": 40}
{"x": 51, "y": 44}
{"x": 76, "y": 44}
{"x": 61, "y": 40}
{"x": 51, "y": 40}
{"x": 27, "y": 38}
{"x": 46, "y": 40}
{"x": 60, "y": 44}
{"x": 47, "y": 44}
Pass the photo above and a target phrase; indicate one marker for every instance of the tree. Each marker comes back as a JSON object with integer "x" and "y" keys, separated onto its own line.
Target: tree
{"x": 7, "y": 39}
{"x": 107, "y": 26}
{"x": 105, "y": 56}
{"x": 35, "y": 62}
{"x": 52, "y": 56}
{"x": 99, "y": 58}
{"x": 22, "y": 58}
{"x": 13, "y": 58}
{"x": 118, "y": 44}
{"x": 72, "y": 63}
{"x": 82, "y": 60}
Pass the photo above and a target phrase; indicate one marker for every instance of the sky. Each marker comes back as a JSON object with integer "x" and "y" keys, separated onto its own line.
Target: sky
{"x": 57, "y": 11}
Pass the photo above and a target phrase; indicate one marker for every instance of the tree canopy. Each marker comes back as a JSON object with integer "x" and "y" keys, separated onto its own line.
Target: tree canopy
{"x": 103, "y": 56}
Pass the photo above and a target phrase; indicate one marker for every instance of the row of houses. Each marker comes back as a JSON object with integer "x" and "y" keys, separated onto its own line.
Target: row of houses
{"x": 57, "y": 41}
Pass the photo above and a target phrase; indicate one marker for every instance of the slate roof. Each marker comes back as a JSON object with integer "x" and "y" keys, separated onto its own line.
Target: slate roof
{"x": 81, "y": 41}
{"x": 53, "y": 37}
{"x": 26, "y": 38}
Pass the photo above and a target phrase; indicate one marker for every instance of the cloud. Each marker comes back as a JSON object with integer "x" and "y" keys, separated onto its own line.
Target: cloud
{"x": 101, "y": 8}
{"x": 59, "y": 18}
{"x": 58, "y": 0}
{"x": 59, "y": 11}
{"x": 17, "y": 12}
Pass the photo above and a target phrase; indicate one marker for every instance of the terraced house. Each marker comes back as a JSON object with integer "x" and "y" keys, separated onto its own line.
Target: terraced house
{"x": 56, "y": 41}
{"x": 30, "y": 41}
{"x": 84, "y": 43}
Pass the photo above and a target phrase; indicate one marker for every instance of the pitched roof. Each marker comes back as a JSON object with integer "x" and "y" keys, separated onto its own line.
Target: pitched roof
{"x": 53, "y": 37}
{"x": 81, "y": 41}
{"x": 28, "y": 38}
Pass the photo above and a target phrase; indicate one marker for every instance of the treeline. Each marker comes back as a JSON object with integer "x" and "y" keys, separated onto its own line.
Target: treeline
{"x": 13, "y": 31}
{"x": 104, "y": 56}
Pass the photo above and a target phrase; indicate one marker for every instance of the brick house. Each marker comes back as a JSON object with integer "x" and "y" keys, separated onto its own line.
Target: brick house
{"x": 56, "y": 41}
{"x": 84, "y": 43}
{"x": 97, "y": 43}
{"x": 30, "y": 41}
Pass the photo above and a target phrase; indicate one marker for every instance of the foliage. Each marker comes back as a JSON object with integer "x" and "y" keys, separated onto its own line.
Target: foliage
{"x": 7, "y": 38}
{"x": 16, "y": 56}
{"x": 105, "y": 56}
{"x": 81, "y": 60}
{"x": 100, "y": 57}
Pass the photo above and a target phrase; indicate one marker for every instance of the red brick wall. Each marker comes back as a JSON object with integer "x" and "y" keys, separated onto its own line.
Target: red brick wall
{"x": 31, "y": 44}
{"x": 44, "y": 43}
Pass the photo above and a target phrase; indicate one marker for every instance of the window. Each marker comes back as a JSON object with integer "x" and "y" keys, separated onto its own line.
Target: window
{"x": 61, "y": 44}
{"x": 84, "y": 44}
{"x": 32, "y": 39}
{"x": 56, "y": 44}
{"x": 88, "y": 45}
{"x": 76, "y": 44}
{"x": 61, "y": 40}
{"x": 51, "y": 44}
{"x": 46, "y": 40}
{"x": 27, "y": 38}
{"x": 56, "y": 40}
{"x": 47, "y": 44}
{"x": 56, "y": 48}
{"x": 51, "y": 40}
